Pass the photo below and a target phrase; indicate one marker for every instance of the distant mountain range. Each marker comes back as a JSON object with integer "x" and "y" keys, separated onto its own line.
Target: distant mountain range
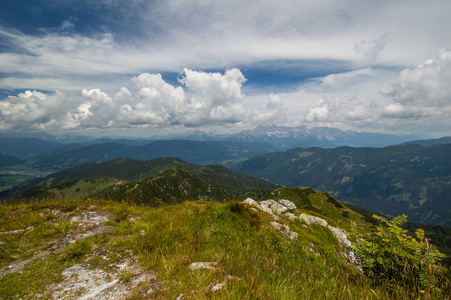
{"x": 281, "y": 137}
{"x": 284, "y": 137}
{"x": 408, "y": 179}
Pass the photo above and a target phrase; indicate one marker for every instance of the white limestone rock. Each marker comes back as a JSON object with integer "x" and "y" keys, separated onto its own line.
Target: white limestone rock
{"x": 202, "y": 265}
{"x": 285, "y": 230}
{"x": 290, "y": 216}
{"x": 288, "y": 204}
{"x": 251, "y": 201}
{"x": 269, "y": 211}
{"x": 311, "y": 220}
{"x": 278, "y": 208}
{"x": 340, "y": 235}
{"x": 267, "y": 203}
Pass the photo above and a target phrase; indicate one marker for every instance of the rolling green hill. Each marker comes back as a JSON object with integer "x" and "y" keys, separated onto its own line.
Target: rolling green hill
{"x": 410, "y": 179}
{"x": 162, "y": 180}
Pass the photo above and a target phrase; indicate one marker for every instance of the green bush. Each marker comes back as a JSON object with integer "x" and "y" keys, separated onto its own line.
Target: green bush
{"x": 251, "y": 217}
{"x": 392, "y": 258}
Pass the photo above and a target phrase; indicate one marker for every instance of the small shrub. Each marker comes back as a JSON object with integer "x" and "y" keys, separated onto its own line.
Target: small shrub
{"x": 250, "y": 216}
{"x": 392, "y": 258}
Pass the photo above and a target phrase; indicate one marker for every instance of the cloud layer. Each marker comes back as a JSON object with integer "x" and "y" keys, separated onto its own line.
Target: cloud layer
{"x": 352, "y": 64}
{"x": 203, "y": 99}
{"x": 418, "y": 99}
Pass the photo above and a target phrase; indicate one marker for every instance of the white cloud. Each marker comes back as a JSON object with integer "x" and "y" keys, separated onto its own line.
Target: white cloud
{"x": 274, "y": 111}
{"x": 422, "y": 92}
{"x": 371, "y": 49}
{"x": 319, "y": 113}
{"x": 31, "y": 111}
{"x": 170, "y": 35}
{"x": 341, "y": 80}
{"x": 209, "y": 99}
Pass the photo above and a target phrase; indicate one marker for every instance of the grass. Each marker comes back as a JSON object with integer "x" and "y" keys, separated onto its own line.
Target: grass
{"x": 167, "y": 240}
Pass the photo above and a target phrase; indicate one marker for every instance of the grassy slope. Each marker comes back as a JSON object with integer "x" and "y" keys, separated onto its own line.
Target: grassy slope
{"x": 124, "y": 178}
{"x": 166, "y": 240}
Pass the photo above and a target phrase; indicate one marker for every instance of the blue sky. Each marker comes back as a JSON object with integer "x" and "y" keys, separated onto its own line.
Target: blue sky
{"x": 158, "y": 67}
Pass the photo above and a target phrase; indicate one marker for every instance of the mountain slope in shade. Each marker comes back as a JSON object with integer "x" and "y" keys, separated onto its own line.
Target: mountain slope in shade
{"x": 395, "y": 180}
{"x": 169, "y": 179}
{"x": 430, "y": 142}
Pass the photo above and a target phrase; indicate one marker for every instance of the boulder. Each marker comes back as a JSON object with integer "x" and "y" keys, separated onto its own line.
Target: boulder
{"x": 269, "y": 211}
{"x": 285, "y": 230}
{"x": 288, "y": 204}
{"x": 251, "y": 201}
{"x": 278, "y": 208}
{"x": 312, "y": 220}
{"x": 290, "y": 216}
{"x": 340, "y": 235}
{"x": 267, "y": 203}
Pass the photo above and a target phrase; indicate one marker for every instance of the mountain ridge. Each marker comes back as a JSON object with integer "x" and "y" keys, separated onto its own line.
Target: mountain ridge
{"x": 407, "y": 179}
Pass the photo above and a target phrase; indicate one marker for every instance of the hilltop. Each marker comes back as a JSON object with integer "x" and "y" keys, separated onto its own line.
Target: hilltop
{"x": 297, "y": 245}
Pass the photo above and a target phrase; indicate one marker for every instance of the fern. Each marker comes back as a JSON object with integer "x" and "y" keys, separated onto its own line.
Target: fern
{"x": 392, "y": 258}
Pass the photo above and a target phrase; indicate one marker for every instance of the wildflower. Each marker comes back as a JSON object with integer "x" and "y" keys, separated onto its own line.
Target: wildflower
{"x": 422, "y": 291}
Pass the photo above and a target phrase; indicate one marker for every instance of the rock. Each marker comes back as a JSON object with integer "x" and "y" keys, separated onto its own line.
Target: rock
{"x": 221, "y": 285}
{"x": 90, "y": 218}
{"x": 340, "y": 235}
{"x": 218, "y": 287}
{"x": 269, "y": 211}
{"x": 278, "y": 208}
{"x": 290, "y": 216}
{"x": 276, "y": 225}
{"x": 17, "y": 230}
{"x": 202, "y": 265}
{"x": 288, "y": 204}
{"x": 285, "y": 230}
{"x": 92, "y": 294}
{"x": 267, "y": 203}
{"x": 251, "y": 201}
{"x": 312, "y": 220}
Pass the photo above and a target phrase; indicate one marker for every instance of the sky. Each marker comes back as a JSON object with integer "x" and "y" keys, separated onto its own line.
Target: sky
{"x": 143, "y": 68}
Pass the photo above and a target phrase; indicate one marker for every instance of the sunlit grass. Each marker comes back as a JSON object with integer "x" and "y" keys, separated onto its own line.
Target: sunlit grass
{"x": 263, "y": 263}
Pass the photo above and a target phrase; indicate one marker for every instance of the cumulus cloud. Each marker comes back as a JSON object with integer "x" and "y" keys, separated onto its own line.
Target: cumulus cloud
{"x": 340, "y": 110}
{"x": 417, "y": 99}
{"x": 203, "y": 99}
{"x": 318, "y": 114}
{"x": 421, "y": 91}
{"x": 274, "y": 111}
{"x": 32, "y": 111}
